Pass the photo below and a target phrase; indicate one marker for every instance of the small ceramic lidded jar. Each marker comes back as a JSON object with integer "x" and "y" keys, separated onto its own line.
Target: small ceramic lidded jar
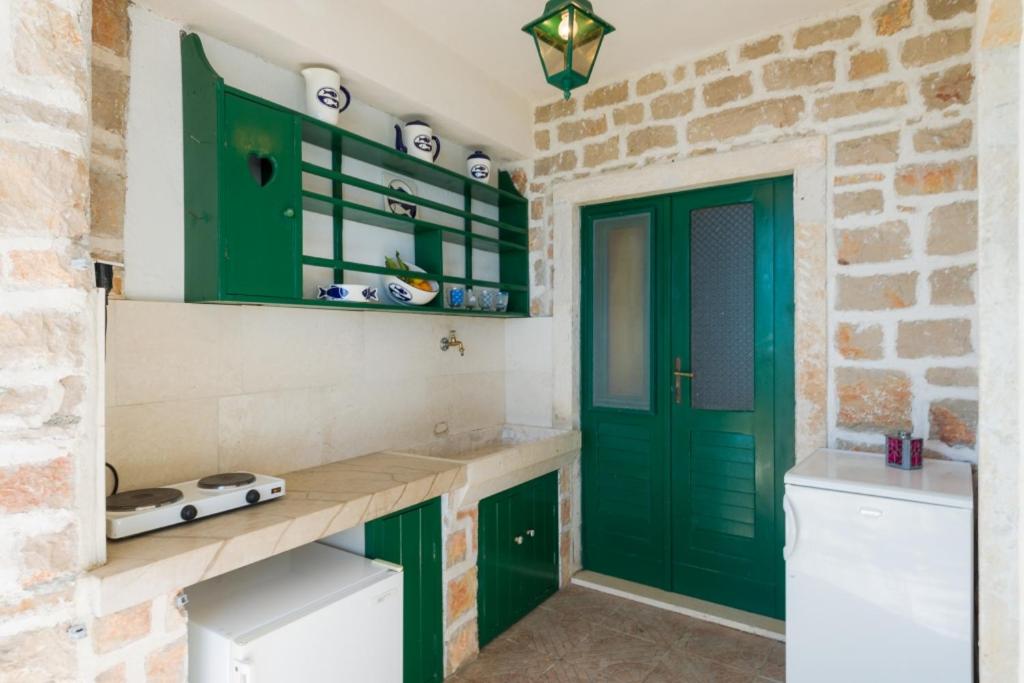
{"x": 903, "y": 451}
{"x": 478, "y": 166}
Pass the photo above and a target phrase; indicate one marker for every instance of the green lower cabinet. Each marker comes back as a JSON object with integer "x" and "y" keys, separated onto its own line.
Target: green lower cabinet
{"x": 518, "y": 557}
{"x": 412, "y": 538}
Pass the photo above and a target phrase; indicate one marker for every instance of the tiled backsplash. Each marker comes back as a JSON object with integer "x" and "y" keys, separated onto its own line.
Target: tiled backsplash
{"x": 200, "y": 388}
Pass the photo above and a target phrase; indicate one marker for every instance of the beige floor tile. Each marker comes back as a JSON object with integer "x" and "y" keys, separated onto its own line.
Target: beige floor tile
{"x": 585, "y": 635}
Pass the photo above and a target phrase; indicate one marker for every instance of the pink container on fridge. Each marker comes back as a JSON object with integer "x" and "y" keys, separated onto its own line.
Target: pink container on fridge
{"x": 903, "y": 451}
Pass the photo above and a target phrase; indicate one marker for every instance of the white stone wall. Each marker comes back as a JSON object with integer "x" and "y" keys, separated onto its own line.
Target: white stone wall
{"x": 890, "y": 85}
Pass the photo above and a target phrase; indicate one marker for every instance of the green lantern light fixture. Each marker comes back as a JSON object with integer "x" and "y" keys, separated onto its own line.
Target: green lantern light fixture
{"x": 568, "y": 37}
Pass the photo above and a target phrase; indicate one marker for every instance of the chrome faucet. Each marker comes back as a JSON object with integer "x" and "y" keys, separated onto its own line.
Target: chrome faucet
{"x": 451, "y": 341}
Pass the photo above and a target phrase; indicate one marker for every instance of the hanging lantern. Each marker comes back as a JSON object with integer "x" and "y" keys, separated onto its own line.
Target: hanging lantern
{"x": 568, "y": 37}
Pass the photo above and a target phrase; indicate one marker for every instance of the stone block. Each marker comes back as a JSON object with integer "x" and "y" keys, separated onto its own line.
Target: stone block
{"x": 48, "y": 557}
{"x": 461, "y": 594}
{"x": 870, "y": 149}
{"x": 873, "y": 400}
{"x": 41, "y": 268}
{"x": 557, "y": 163}
{"x": 953, "y": 229}
{"x": 953, "y": 286}
{"x": 108, "y": 201}
{"x": 947, "y": 9}
{"x": 651, "y": 83}
{"x": 572, "y": 131}
{"x": 893, "y": 17}
{"x": 934, "y": 338}
{"x": 730, "y": 123}
{"x": 679, "y": 73}
{"x": 957, "y": 136}
{"x": 728, "y": 89}
{"x": 110, "y": 25}
{"x": 121, "y": 628}
{"x": 39, "y": 655}
{"x": 49, "y": 45}
{"x": 630, "y": 114}
{"x": 455, "y": 548}
{"x": 935, "y": 47}
{"x": 473, "y": 516}
{"x": 463, "y": 645}
{"x": 854, "y": 203}
{"x": 606, "y": 95}
{"x": 672, "y": 104}
{"x": 857, "y": 179}
{"x": 640, "y": 141}
{"x": 555, "y": 110}
{"x": 876, "y": 292}
{"x": 56, "y": 207}
{"x": 859, "y": 342}
{"x": 888, "y": 241}
{"x": 109, "y": 98}
{"x": 937, "y": 178}
{"x": 542, "y": 140}
{"x": 115, "y": 674}
{"x": 597, "y": 153}
{"x": 947, "y": 88}
{"x": 31, "y": 486}
{"x": 169, "y": 664}
{"x": 761, "y": 48}
{"x": 953, "y": 421}
{"x": 867, "y": 64}
{"x": 715, "y": 62}
{"x": 952, "y": 377}
{"x": 839, "y": 105}
{"x": 834, "y": 29}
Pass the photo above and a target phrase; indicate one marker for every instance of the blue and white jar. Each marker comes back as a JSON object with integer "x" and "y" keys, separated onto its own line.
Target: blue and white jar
{"x": 478, "y": 166}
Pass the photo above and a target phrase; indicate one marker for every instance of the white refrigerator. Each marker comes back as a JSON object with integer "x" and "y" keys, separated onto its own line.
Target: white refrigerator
{"x": 879, "y": 571}
{"x": 312, "y": 614}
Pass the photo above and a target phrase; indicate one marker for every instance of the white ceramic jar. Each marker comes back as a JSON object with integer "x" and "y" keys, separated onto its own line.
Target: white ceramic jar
{"x": 478, "y": 166}
{"x": 324, "y": 94}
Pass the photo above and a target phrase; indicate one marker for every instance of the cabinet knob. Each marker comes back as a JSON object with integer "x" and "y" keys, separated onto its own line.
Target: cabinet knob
{"x": 518, "y": 540}
{"x": 289, "y": 213}
{"x": 531, "y": 533}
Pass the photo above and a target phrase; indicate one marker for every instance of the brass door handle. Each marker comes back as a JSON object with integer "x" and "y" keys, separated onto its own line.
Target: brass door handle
{"x": 679, "y": 374}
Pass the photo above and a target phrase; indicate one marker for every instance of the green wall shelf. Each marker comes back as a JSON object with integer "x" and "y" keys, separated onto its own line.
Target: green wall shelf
{"x": 245, "y": 201}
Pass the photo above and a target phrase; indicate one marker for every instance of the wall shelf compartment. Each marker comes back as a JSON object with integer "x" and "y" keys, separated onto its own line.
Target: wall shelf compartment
{"x": 250, "y": 191}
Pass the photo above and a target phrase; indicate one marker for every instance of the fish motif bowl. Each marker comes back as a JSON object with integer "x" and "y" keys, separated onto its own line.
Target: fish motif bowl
{"x": 402, "y": 292}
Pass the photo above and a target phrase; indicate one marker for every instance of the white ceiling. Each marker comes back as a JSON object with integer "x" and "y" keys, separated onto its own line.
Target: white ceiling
{"x": 487, "y": 33}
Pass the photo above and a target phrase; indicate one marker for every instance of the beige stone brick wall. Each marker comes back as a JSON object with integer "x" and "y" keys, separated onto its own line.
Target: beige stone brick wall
{"x": 111, "y": 37}
{"x": 50, "y": 378}
{"x": 891, "y": 85}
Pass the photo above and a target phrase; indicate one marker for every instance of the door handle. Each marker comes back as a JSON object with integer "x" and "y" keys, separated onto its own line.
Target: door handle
{"x": 518, "y": 540}
{"x": 289, "y": 213}
{"x": 678, "y": 375}
{"x": 531, "y": 533}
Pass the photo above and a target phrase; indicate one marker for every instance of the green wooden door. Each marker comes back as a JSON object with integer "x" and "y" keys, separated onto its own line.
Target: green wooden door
{"x": 518, "y": 557}
{"x": 412, "y": 538}
{"x": 261, "y": 212}
{"x": 683, "y": 492}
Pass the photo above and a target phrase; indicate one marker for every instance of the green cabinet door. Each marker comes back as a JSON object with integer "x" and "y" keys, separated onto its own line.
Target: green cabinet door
{"x": 518, "y": 557}
{"x": 412, "y": 538}
{"x": 261, "y": 211}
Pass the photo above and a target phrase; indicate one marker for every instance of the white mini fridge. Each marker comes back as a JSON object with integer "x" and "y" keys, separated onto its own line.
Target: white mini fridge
{"x": 312, "y": 614}
{"x": 879, "y": 571}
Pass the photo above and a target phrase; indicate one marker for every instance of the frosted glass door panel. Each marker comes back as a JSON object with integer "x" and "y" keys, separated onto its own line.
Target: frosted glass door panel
{"x": 622, "y": 318}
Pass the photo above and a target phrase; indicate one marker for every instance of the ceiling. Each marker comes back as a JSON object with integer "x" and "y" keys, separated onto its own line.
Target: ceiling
{"x": 487, "y": 33}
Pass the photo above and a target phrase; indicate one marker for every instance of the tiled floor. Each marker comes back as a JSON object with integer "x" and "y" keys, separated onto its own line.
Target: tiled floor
{"x": 584, "y": 635}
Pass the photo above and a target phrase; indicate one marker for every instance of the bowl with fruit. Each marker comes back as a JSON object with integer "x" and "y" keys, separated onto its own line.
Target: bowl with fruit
{"x": 409, "y": 290}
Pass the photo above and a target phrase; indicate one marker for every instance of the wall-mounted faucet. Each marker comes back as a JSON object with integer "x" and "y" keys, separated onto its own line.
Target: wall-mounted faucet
{"x": 451, "y": 341}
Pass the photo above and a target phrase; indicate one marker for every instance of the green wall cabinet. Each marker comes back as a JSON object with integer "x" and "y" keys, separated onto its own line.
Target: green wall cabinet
{"x": 412, "y": 538}
{"x": 247, "y": 187}
{"x": 518, "y": 556}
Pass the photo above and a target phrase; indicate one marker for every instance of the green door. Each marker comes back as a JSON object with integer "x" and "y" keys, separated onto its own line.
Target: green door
{"x": 685, "y": 489}
{"x": 412, "y": 538}
{"x": 260, "y": 201}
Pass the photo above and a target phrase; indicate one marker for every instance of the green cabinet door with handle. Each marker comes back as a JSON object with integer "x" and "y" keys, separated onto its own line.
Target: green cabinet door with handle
{"x": 518, "y": 557}
{"x": 260, "y": 210}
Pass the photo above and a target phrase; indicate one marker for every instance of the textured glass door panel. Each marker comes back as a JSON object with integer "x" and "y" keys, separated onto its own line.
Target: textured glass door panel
{"x": 722, "y": 307}
{"x": 622, "y": 295}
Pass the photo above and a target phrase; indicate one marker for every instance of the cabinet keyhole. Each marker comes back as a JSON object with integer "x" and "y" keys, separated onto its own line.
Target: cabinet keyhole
{"x": 262, "y": 168}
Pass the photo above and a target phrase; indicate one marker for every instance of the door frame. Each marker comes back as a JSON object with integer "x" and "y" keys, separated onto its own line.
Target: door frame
{"x": 775, "y": 195}
{"x": 806, "y": 159}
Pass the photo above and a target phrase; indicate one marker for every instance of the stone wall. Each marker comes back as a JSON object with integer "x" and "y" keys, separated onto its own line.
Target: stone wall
{"x": 50, "y": 380}
{"x": 892, "y": 87}
{"x": 111, "y": 42}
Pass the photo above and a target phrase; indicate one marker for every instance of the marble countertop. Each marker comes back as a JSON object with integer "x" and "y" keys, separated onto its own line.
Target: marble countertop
{"x": 318, "y": 502}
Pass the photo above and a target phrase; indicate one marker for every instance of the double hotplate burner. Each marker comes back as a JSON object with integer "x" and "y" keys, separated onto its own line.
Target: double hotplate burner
{"x": 135, "y": 512}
